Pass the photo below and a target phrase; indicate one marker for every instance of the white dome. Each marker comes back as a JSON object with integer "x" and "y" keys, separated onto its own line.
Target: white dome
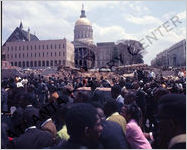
{"x": 83, "y": 21}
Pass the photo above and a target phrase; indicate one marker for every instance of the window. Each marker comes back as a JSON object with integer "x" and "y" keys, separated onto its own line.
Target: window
{"x": 15, "y": 63}
{"x": 39, "y": 63}
{"x": 59, "y": 53}
{"x": 55, "y": 54}
{"x": 55, "y": 62}
{"x": 43, "y": 63}
{"x": 51, "y": 54}
{"x": 12, "y": 64}
{"x": 27, "y": 47}
{"x": 39, "y": 54}
{"x": 31, "y": 47}
{"x": 43, "y": 46}
{"x": 7, "y": 55}
{"x": 31, "y": 64}
{"x": 35, "y": 55}
{"x": 23, "y": 55}
{"x": 23, "y": 64}
{"x": 31, "y": 54}
{"x": 27, "y": 63}
{"x": 47, "y": 63}
{"x": 12, "y": 48}
{"x": 55, "y": 46}
{"x": 51, "y": 64}
{"x": 51, "y": 46}
{"x": 76, "y": 62}
{"x": 63, "y": 46}
{"x": 47, "y": 46}
{"x": 19, "y": 63}
{"x": 80, "y": 62}
{"x": 64, "y": 53}
{"x": 19, "y": 55}
{"x": 43, "y": 54}
{"x": 59, "y": 46}
{"x": 35, "y": 63}
{"x": 16, "y": 48}
{"x": 27, "y": 55}
{"x": 47, "y": 53}
{"x": 35, "y": 47}
{"x": 19, "y": 47}
{"x": 39, "y": 47}
{"x": 63, "y": 62}
{"x": 11, "y": 56}
{"x": 15, "y": 55}
{"x": 59, "y": 62}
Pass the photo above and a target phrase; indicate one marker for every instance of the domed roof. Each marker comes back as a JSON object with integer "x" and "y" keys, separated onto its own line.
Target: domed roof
{"x": 83, "y": 21}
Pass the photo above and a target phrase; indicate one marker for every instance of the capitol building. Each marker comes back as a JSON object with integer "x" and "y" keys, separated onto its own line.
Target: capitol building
{"x": 25, "y": 50}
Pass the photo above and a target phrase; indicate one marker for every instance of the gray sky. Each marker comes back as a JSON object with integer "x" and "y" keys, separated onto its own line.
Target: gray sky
{"x": 111, "y": 20}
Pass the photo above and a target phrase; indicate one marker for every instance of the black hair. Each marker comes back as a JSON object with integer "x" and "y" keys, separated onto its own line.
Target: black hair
{"x": 31, "y": 116}
{"x": 110, "y": 107}
{"x": 78, "y": 117}
{"x": 23, "y": 99}
{"x": 173, "y": 106}
{"x": 97, "y": 104}
{"x": 159, "y": 92}
{"x": 116, "y": 89}
{"x": 135, "y": 112}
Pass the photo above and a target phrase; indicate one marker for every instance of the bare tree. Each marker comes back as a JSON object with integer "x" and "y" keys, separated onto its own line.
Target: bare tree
{"x": 134, "y": 49}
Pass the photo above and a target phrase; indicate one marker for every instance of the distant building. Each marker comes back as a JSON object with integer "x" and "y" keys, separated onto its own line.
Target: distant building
{"x": 174, "y": 56}
{"x": 25, "y": 50}
{"x": 83, "y": 42}
{"x": 90, "y": 55}
{"x": 21, "y": 35}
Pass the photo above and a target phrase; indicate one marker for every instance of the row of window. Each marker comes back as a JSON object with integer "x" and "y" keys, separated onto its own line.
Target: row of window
{"x": 82, "y": 35}
{"x": 34, "y": 55}
{"x": 38, "y": 63}
{"x": 31, "y": 47}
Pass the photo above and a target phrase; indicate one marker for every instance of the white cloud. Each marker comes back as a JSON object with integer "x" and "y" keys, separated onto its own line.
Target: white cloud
{"x": 182, "y": 15}
{"x": 110, "y": 33}
{"x": 144, "y": 20}
{"x": 138, "y": 7}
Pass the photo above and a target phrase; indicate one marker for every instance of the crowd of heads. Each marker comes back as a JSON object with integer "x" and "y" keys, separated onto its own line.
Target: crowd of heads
{"x": 63, "y": 116}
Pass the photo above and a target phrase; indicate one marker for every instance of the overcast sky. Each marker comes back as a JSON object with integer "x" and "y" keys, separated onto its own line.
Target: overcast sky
{"x": 111, "y": 21}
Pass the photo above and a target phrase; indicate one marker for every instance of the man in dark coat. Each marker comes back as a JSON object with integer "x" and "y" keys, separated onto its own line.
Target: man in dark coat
{"x": 172, "y": 121}
{"x": 32, "y": 138}
{"x": 113, "y": 136}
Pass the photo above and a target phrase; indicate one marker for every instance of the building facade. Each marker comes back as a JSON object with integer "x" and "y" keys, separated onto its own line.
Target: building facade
{"x": 83, "y": 42}
{"x": 27, "y": 51}
{"x": 174, "y": 56}
{"x": 102, "y": 54}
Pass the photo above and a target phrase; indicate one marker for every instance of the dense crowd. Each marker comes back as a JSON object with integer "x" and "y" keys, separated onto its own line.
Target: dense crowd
{"x": 141, "y": 112}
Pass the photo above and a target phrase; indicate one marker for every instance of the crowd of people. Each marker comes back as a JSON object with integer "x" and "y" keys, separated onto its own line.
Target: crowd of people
{"x": 141, "y": 112}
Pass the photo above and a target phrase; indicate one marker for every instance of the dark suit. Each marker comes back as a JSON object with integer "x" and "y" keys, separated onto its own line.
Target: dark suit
{"x": 112, "y": 136}
{"x": 179, "y": 146}
{"x": 33, "y": 139}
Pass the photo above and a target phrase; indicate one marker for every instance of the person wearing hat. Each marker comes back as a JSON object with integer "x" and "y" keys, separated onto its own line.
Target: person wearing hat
{"x": 172, "y": 121}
